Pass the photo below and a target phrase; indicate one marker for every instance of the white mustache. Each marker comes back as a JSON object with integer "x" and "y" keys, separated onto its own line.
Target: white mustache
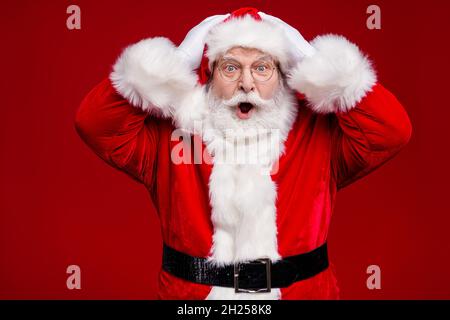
{"x": 251, "y": 97}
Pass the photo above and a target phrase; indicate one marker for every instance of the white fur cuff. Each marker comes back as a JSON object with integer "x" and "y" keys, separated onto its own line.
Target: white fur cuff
{"x": 153, "y": 75}
{"x": 336, "y": 77}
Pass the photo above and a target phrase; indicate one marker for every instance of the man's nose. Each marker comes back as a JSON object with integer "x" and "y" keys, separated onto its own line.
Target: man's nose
{"x": 246, "y": 82}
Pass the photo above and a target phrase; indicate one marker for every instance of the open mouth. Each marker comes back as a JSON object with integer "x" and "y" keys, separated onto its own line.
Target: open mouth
{"x": 244, "y": 110}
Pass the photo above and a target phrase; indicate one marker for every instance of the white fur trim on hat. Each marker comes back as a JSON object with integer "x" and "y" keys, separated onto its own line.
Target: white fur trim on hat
{"x": 247, "y": 32}
{"x": 336, "y": 77}
{"x": 153, "y": 75}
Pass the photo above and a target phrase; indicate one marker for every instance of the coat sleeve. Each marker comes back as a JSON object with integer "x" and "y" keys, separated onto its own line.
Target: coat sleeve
{"x": 369, "y": 125}
{"x": 124, "y": 136}
{"x": 118, "y": 119}
{"x": 367, "y": 136}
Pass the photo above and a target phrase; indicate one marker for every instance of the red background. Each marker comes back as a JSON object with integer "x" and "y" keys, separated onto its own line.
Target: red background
{"x": 61, "y": 205}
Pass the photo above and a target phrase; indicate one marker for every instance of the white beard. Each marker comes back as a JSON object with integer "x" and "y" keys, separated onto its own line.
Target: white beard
{"x": 275, "y": 113}
{"x": 242, "y": 193}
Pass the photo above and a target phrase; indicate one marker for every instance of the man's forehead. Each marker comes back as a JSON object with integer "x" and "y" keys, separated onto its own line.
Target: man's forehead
{"x": 239, "y": 53}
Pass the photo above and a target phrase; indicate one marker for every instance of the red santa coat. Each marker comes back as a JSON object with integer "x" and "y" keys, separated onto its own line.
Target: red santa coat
{"x": 323, "y": 153}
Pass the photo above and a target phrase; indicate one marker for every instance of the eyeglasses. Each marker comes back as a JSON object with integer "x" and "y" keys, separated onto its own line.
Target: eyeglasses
{"x": 231, "y": 71}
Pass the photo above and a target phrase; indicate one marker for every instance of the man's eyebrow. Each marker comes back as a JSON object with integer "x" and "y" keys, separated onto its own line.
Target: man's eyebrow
{"x": 231, "y": 58}
{"x": 265, "y": 57}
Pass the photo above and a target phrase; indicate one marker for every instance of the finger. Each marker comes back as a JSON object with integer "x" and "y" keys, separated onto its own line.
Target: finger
{"x": 204, "y": 26}
{"x": 215, "y": 19}
{"x": 278, "y": 21}
{"x": 268, "y": 17}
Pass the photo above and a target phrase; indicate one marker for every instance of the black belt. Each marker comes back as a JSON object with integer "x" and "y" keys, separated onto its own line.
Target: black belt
{"x": 258, "y": 275}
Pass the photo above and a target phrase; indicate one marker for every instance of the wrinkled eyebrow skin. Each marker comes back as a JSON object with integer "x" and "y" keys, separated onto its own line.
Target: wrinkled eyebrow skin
{"x": 231, "y": 58}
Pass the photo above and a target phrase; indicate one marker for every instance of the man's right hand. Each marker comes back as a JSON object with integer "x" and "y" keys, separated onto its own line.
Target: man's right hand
{"x": 194, "y": 42}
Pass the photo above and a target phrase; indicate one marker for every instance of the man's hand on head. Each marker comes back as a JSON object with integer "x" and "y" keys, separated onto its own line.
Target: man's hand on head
{"x": 300, "y": 47}
{"x": 193, "y": 44}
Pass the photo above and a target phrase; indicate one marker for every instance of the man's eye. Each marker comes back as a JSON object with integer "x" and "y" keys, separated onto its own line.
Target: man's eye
{"x": 261, "y": 68}
{"x": 230, "y": 68}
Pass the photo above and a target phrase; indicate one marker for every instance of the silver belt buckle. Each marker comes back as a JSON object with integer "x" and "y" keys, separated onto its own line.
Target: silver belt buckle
{"x": 268, "y": 263}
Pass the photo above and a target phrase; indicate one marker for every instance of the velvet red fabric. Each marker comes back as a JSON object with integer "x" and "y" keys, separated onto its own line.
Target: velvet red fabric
{"x": 323, "y": 154}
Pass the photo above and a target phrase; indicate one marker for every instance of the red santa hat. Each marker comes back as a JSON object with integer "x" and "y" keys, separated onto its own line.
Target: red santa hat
{"x": 244, "y": 28}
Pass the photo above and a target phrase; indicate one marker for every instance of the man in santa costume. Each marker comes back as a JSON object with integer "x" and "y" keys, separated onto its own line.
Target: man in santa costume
{"x": 307, "y": 118}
